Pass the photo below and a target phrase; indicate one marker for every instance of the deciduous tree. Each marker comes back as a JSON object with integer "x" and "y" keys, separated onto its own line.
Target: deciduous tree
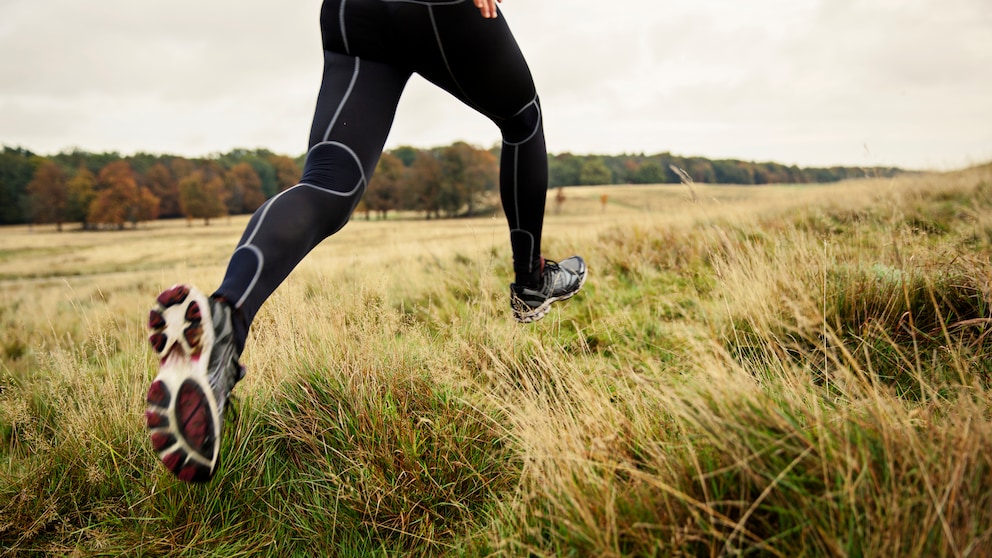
{"x": 117, "y": 190}
{"x": 482, "y": 176}
{"x": 181, "y": 168}
{"x": 16, "y": 170}
{"x": 243, "y": 189}
{"x": 260, "y": 161}
{"x": 201, "y": 198}
{"x": 564, "y": 170}
{"x": 383, "y": 191}
{"x": 120, "y": 199}
{"x": 49, "y": 194}
{"x": 649, "y": 173}
{"x": 595, "y": 171}
{"x": 147, "y": 208}
{"x": 82, "y": 192}
{"x": 406, "y": 153}
{"x": 422, "y": 184}
{"x": 287, "y": 173}
{"x": 161, "y": 182}
{"x": 467, "y": 173}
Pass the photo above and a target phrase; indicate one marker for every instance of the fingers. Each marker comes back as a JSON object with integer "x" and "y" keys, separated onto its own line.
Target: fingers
{"x": 487, "y": 8}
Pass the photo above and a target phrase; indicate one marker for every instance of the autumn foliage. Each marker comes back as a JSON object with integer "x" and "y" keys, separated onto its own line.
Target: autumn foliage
{"x": 162, "y": 184}
{"x": 108, "y": 191}
{"x": 243, "y": 189}
{"x": 120, "y": 200}
{"x": 202, "y": 196}
{"x": 50, "y": 193}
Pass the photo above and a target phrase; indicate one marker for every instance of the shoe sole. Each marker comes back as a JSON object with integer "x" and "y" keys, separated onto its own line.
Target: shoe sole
{"x": 542, "y": 310}
{"x": 181, "y": 416}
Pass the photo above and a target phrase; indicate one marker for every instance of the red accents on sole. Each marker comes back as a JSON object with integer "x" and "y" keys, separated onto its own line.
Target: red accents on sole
{"x": 162, "y": 440}
{"x": 181, "y": 425}
{"x": 158, "y": 394}
{"x": 175, "y": 295}
{"x": 155, "y": 320}
{"x": 155, "y": 420}
{"x": 194, "y": 338}
{"x": 195, "y": 422}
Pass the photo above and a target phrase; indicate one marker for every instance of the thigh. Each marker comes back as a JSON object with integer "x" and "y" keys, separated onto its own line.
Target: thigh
{"x": 475, "y": 59}
{"x": 446, "y": 41}
{"x": 356, "y": 106}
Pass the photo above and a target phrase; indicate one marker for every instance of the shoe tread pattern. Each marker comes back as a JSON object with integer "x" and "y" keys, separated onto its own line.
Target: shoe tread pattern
{"x": 181, "y": 416}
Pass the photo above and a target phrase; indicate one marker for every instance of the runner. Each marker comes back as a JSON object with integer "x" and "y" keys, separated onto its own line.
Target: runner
{"x": 371, "y": 48}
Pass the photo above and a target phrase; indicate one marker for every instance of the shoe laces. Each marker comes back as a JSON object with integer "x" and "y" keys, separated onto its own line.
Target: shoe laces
{"x": 550, "y": 274}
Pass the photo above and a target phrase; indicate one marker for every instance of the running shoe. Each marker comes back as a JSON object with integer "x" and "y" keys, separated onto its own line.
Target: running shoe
{"x": 559, "y": 281}
{"x": 198, "y": 365}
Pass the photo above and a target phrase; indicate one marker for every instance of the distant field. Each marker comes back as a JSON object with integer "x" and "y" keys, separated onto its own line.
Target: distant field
{"x": 774, "y": 371}
{"x": 52, "y": 270}
{"x": 40, "y": 252}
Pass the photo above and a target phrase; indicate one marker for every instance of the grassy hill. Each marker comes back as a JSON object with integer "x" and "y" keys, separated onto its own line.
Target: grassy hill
{"x": 774, "y": 371}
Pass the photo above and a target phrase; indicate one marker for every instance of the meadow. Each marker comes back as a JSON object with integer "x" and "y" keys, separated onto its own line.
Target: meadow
{"x": 758, "y": 371}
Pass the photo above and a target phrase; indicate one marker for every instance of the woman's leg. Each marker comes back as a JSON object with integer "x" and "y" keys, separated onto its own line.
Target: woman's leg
{"x": 355, "y": 109}
{"x": 478, "y": 61}
{"x": 198, "y": 340}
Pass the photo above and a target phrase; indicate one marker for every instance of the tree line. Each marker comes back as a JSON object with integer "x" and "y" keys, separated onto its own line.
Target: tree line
{"x": 108, "y": 190}
{"x": 567, "y": 169}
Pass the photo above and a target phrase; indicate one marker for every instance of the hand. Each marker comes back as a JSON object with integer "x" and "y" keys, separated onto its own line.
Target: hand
{"x": 487, "y": 8}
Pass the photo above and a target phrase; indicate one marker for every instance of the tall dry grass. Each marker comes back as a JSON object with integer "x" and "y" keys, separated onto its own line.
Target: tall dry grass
{"x": 770, "y": 371}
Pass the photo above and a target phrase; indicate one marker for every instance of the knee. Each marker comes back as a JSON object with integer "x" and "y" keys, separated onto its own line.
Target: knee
{"x": 334, "y": 167}
{"x": 524, "y": 125}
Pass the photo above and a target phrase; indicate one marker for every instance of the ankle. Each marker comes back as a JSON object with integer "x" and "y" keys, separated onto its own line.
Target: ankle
{"x": 239, "y": 325}
{"x": 531, "y": 278}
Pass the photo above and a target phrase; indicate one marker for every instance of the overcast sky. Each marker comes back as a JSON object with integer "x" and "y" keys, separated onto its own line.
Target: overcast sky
{"x": 808, "y": 82}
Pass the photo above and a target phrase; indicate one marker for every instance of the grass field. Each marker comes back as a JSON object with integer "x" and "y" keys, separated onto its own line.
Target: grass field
{"x": 764, "y": 371}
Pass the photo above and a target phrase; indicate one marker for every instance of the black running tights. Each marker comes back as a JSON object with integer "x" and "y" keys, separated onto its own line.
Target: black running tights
{"x": 371, "y": 48}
